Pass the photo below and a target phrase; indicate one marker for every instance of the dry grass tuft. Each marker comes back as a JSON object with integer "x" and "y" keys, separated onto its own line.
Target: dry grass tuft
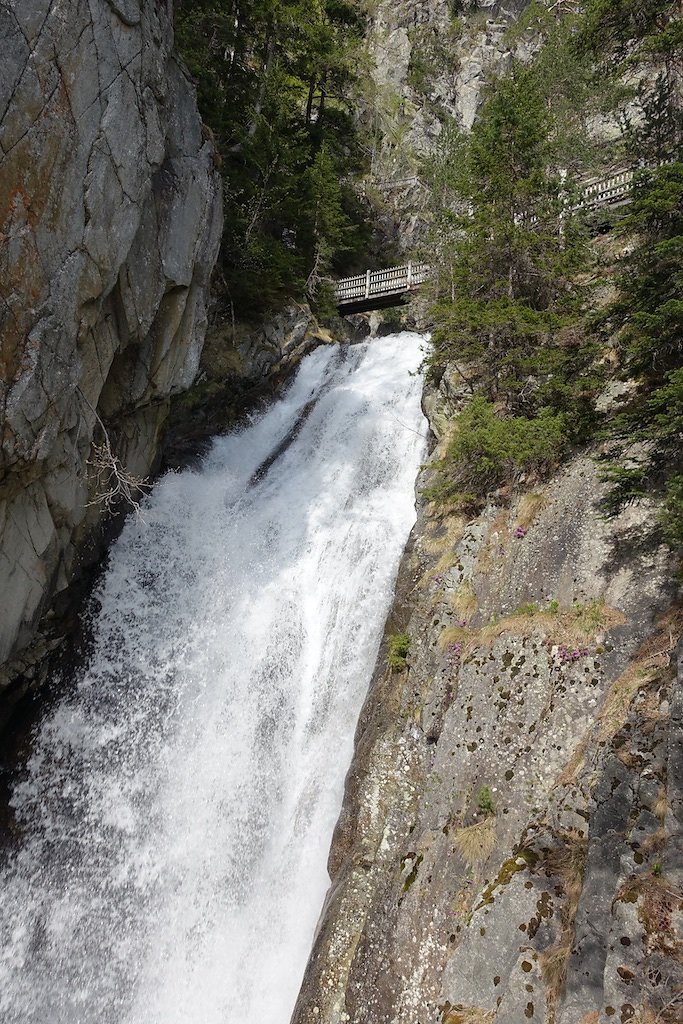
{"x": 456, "y": 635}
{"x": 617, "y": 704}
{"x": 655, "y": 842}
{"x": 554, "y": 962}
{"x": 651, "y": 659}
{"x": 475, "y": 843}
{"x": 573, "y": 628}
{"x": 444, "y": 535}
{"x": 661, "y": 804}
{"x": 529, "y": 507}
{"x": 446, "y": 562}
{"x": 467, "y": 1015}
{"x": 464, "y": 601}
{"x": 565, "y": 860}
{"x": 574, "y": 765}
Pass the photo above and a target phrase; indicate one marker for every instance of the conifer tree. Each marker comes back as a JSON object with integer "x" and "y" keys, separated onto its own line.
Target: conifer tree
{"x": 648, "y": 314}
{"x": 276, "y": 82}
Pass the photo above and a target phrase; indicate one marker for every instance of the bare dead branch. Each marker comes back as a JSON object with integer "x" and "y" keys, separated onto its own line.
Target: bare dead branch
{"x": 114, "y": 484}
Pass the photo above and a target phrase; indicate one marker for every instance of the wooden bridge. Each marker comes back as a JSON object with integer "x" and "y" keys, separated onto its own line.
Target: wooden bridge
{"x": 378, "y": 289}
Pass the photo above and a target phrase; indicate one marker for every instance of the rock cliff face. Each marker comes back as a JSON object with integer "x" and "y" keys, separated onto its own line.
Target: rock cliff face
{"x": 241, "y": 365}
{"x": 430, "y": 62}
{"x": 110, "y": 221}
{"x": 510, "y": 846}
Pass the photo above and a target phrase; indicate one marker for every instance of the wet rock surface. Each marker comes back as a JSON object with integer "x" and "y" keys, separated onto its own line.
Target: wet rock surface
{"x": 110, "y": 221}
{"x": 510, "y": 843}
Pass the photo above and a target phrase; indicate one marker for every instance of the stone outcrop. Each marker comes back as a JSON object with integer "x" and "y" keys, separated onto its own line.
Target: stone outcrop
{"x": 510, "y": 843}
{"x": 430, "y": 63}
{"x": 243, "y": 364}
{"x": 110, "y": 222}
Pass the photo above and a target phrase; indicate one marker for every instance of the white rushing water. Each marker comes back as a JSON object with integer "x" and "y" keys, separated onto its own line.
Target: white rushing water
{"x": 177, "y": 809}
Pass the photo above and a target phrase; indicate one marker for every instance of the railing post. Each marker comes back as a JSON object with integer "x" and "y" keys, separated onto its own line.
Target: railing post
{"x": 563, "y": 204}
{"x": 367, "y": 284}
{"x": 410, "y": 273}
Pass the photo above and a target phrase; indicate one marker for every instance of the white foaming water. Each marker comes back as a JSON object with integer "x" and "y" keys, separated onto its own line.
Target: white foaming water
{"x": 177, "y": 809}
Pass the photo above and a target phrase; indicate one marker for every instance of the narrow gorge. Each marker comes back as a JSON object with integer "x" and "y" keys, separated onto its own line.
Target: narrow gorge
{"x": 341, "y": 658}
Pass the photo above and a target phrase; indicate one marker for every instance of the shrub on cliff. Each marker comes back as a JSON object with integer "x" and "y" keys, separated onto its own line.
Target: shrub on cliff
{"x": 399, "y": 648}
{"x": 649, "y": 316}
{"x": 639, "y": 41}
{"x": 509, "y": 304}
{"x": 488, "y": 450}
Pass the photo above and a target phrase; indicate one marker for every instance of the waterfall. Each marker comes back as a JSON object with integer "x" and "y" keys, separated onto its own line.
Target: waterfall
{"x": 175, "y": 812}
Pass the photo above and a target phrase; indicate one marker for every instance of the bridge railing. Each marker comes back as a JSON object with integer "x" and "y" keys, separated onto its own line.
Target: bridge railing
{"x": 608, "y": 190}
{"x": 396, "y": 280}
{"x": 391, "y": 280}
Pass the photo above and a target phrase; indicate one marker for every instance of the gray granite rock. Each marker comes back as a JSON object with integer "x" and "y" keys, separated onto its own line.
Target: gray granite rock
{"x": 554, "y": 894}
{"x": 110, "y": 221}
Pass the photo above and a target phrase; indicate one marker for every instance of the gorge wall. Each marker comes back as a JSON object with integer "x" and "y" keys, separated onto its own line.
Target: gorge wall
{"x": 511, "y": 840}
{"x": 431, "y": 61}
{"x": 510, "y": 843}
{"x": 110, "y": 223}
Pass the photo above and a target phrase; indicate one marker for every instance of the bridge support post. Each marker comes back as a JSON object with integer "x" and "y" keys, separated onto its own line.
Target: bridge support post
{"x": 367, "y": 284}
{"x": 410, "y": 273}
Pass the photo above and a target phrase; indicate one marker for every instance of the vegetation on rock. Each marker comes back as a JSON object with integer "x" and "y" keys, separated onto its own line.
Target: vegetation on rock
{"x": 512, "y": 310}
{"x": 399, "y": 647}
{"x": 276, "y": 84}
{"x": 647, "y": 315}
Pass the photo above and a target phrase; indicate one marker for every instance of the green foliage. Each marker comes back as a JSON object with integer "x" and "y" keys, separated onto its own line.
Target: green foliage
{"x": 671, "y": 516}
{"x": 399, "y": 647}
{"x": 649, "y": 315}
{"x": 528, "y": 608}
{"x": 645, "y": 38}
{"x": 627, "y": 37}
{"x": 485, "y": 800}
{"x": 432, "y": 54}
{"x": 276, "y": 86}
{"x": 589, "y": 617}
{"x": 627, "y": 30}
{"x": 488, "y": 450}
{"x": 508, "y": 311}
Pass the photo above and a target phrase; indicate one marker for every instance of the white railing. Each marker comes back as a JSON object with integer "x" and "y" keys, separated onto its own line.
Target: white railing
{"x": 609, "y": 190}
{"x": 376, "y": 283}
{"x": 397, "y": 280}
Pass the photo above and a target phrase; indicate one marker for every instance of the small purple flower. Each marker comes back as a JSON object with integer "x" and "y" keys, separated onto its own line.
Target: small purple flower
{"x": 453, "y": 653}
{"x": 520, "y": 532}
{"x": 567, "y": 657}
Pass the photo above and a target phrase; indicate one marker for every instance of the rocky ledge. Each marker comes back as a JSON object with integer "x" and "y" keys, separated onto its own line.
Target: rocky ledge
{"x": 110, "y": 222}
{"x": 510, "y": 846}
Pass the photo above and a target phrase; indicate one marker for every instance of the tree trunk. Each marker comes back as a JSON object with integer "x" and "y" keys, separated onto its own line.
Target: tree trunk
{"x": 309, "y": 104}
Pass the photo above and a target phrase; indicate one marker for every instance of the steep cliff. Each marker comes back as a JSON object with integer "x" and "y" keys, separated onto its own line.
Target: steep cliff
{"x": 510, "y": 843}
{"x": 431, "y": 60}
{"x": 110, "y": 222}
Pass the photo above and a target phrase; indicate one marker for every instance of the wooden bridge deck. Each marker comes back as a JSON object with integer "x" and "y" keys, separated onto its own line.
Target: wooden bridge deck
{"x": 379, "y": 289}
